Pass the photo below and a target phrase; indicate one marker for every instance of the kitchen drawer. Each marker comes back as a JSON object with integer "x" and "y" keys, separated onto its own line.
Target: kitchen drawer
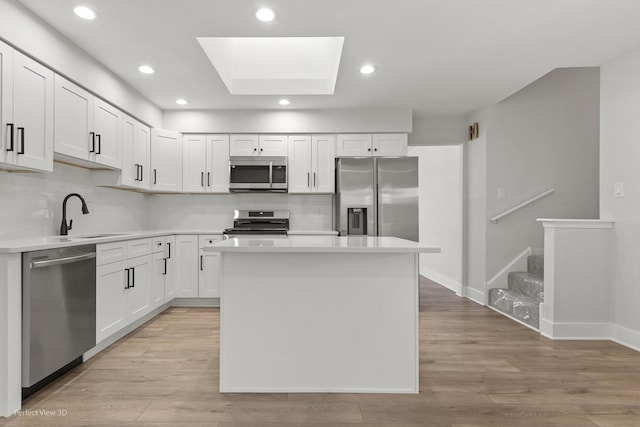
{"x": 111, "y": 252}
{"x": 157, "y": 244}
{"x": 138, "y": 247}
{"x": 206, "y": 239}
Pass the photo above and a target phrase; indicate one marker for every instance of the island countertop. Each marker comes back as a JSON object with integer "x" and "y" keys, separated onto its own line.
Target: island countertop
{"x": 316, "y": 244}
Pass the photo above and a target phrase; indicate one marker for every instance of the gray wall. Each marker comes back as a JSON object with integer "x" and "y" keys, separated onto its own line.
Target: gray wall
{"x": 543, "y": 136}
{"x": 438, "y": 131}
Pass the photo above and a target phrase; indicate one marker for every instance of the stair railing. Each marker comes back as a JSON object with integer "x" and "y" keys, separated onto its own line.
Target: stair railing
{"x": 529, "y": 202}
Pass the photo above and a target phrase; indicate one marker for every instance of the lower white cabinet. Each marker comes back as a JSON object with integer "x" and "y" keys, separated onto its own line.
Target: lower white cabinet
{"x": 197, "y": 273}
{"x": 162, "y": 288}
{"x": 123, "y": 285}
{"x": 209, "y": 269}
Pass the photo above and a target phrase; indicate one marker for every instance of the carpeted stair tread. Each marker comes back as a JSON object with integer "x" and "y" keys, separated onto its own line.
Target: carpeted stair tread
{"x": 528, "y": 284}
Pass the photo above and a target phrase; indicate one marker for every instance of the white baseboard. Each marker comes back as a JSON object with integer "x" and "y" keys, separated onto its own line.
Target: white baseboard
{"x": 574, "y": 331}
{"x": 441, "y": 279}
{"x": 195, "y": 302}
{"x": 475, "y": 295}
{"x": 625, "y": 336}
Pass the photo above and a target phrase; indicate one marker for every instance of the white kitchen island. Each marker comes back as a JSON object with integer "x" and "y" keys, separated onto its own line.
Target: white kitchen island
{"x": 319, "y": 314}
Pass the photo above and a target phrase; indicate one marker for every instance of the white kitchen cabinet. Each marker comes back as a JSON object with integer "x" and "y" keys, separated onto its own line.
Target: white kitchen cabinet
{"x": 366, "y": 145}
{"x": 157, "y": 279}
{"x": 87, "y": 129}
{"x": 123, "y": 284}
{"x": 162, "y": 275}
{"x": 390, "y": 144}
{"x": 186, "y": 266}
{"x": 166, "y": 161}
{"x": 136, "y": 145}
{"x": 311, "y": 163}
{"x": 257, "y": 145}
{"x": 169, "y": 278}
{"x": 209, "y": 269}
{"x": 26, "y": 112}
{"x": 205, "y": 163}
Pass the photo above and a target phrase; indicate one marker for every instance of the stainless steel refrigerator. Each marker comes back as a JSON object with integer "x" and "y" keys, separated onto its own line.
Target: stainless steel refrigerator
{"x": 377, "y": 196}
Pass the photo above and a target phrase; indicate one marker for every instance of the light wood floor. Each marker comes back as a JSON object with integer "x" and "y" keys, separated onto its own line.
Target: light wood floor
{"x": 476, "y": 368}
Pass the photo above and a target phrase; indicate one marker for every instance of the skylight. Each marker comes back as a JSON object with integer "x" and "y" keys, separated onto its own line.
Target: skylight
{"x": 275, "y": 65}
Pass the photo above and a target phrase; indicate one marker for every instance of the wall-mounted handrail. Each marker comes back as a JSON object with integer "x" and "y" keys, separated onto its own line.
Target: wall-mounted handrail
{"x": 522, "y": 205}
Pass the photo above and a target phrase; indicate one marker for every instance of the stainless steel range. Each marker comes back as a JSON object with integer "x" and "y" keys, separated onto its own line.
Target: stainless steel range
{"x": 259, "y": 222}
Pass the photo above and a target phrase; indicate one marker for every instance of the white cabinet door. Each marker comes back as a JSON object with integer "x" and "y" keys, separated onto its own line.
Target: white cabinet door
{"x": 272, "y": 145}
{"x": 354, "y": 145}
{"x": 299, "y": 164}
{"x": 33, "y": 114}
{"x": 217, "y": 179}
{"x": 209, "y": 275}
{"x": 169, "y": 280}
{"x": 194, "y": 163}
{"x": 166, "y": 160}
{"x": 111, "y": 303}
{"x": 73, "y": 119}
{"x": 323, "y": 163}
{"x": 106, "y": 125}
{"x": 142, "y": 155}
{"x": 139, "y": 292}
{"x": 130, "y": 174}
{"x": 243, "y": 145}
{"x": 390, "y": 144}
{"x": 159, "y": 271}
{"x": 7, "y": 135}
{"x": 186, "y": 266}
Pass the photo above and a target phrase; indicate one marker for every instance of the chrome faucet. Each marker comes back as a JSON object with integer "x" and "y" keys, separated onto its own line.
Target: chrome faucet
{"x": 64, "y": 228}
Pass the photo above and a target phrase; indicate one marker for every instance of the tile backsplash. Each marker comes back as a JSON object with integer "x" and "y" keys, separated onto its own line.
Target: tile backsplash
{"x": 31, "y": 205}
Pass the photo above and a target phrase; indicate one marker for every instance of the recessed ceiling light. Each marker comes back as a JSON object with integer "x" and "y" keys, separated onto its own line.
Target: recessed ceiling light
{"x": 284, "y": 102}
{"x": 367, "y": 69}
{"x": 145, "y": 69}
{"x": 181, "y": 101}
{"x": 84, "y": 12}
{"x": 265, "y": 14}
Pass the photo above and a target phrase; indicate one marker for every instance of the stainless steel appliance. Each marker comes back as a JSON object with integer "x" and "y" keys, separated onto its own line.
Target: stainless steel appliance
{"x": 377, "y": 196}
{"x": 58, "y": 312}
{"x": 261, "y": 174}
{"x": 259, "y": 222}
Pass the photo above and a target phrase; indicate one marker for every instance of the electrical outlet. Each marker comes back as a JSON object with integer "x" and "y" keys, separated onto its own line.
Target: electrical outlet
{"x": 618, "y": 189}
{"x": 315, "y": 211}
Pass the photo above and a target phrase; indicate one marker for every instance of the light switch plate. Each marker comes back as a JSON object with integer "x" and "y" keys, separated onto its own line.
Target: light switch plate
{"x": 618, "y": 189}
{"x": 502, "y": 193}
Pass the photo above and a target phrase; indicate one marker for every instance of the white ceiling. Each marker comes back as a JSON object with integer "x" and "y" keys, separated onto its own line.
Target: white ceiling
{"x": 437, "y": 57}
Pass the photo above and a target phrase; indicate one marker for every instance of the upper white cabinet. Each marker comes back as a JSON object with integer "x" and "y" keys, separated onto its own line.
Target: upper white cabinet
{"x": 311, "y": 163}
{"x": 136, "y": 153}
{"x": 26, "y": 112}
{"x": 258, "y": 145}
{"x": 359, "y": 145}
{"x": 166, "y": 160}
{"x": 86, "y": 127}
{"x": 205, "y": 163}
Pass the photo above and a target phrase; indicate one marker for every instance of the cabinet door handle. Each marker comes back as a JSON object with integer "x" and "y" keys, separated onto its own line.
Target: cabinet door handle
{"x": 10, "y": 148}
{"x": 201, "y": 263}
{"x": 202, "y": 179}
{"x": 155, "y": 176}
{"x": 21, "y": 130}
{"x": 308, "y": 179}
{"x": 137, "y": 172}
{"x": 93, "y": 142}
{"x": 165, "y": 267}
{"x": 141, "y": 173}
{"x": 314, "y": 179}
{"x": 133, "y": 277}
{"x": 169, "y": 246}
{"x": 128, "y": 278}
{"x": 99, "y": 150}
{"x": 209, "y": 179}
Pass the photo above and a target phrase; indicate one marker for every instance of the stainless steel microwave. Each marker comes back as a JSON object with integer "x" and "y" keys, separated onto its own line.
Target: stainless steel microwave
{"x": 260, "y": 174}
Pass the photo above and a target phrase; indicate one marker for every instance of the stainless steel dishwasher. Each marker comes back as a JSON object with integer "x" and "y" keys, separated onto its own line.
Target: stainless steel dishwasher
{"x": 58, "y": 312}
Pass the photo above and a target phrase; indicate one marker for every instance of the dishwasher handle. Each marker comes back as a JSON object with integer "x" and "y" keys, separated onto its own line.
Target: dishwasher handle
{"x": 66, "y": 260}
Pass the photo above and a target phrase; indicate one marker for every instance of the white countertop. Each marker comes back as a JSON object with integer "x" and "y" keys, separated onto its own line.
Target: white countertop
{"x": 333, "y": 244}
{"x": 49, "y": 242}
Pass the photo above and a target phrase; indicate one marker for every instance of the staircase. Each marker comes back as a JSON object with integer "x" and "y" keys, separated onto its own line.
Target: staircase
{"x": 521, "y": 300}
